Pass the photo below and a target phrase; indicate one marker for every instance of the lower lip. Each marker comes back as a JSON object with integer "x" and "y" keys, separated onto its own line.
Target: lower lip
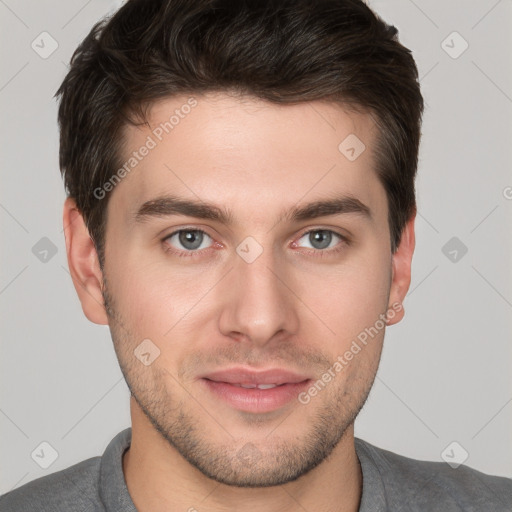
{"x": 254, "y": 399}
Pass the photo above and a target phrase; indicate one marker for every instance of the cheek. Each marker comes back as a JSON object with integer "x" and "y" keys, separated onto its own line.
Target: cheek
{"x": 352, "y": 297}
{"x": 141, "y": 298}
{"x": 151, "y": 304}
{"x": 161, "y": 303}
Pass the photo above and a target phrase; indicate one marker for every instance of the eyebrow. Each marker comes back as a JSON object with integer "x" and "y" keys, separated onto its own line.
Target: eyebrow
{"x": 166, "y": 206}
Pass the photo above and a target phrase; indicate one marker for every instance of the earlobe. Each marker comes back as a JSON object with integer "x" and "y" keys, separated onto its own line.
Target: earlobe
{"x": 401, "y": 275}
{"x": 83, "y": 264}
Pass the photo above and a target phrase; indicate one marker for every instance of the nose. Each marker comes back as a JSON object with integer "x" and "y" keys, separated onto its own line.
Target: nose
{"x": 258, "y": 301}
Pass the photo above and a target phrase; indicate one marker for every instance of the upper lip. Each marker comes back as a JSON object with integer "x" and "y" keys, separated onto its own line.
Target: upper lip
{"x": 245, "y": 376}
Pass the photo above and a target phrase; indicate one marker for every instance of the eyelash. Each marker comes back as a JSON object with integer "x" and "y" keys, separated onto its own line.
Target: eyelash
{"x": 319, "y": 253}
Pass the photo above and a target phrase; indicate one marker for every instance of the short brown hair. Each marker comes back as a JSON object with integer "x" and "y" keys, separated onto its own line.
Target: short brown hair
{"x": 282, "y": 51}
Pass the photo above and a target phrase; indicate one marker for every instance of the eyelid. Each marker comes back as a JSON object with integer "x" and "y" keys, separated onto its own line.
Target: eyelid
{"x": 337, "y": 231}
{"x": 345, "y": 240}
{"x": 190, "y": 228}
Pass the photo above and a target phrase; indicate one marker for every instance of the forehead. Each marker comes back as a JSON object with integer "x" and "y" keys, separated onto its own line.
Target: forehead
{"x": 248, "y": 153}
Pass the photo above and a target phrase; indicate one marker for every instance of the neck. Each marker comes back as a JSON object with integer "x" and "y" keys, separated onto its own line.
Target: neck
{"x": 160, "y": 479}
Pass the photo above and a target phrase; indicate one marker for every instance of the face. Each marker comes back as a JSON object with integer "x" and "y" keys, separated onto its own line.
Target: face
{"x": 216, "y": 262}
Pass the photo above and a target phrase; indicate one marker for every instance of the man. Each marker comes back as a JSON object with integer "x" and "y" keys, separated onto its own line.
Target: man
{"x": 241, "y": 214}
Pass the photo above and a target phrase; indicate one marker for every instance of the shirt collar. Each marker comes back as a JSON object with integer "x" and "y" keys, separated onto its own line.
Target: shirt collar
{"x": 113, "y": 490}
{"x": 373, "y": 498}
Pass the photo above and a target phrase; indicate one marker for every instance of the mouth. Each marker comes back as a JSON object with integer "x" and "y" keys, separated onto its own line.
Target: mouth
{"x": 259, "y": 386}
{"x": 256, "y": 392}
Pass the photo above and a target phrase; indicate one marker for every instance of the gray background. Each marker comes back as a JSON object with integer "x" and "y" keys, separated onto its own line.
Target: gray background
{"x": 445, "y": 374}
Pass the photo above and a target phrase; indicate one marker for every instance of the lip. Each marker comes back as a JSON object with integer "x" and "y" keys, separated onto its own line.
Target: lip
{"x": 223, "y": 386}
{"x": 242, "y": 375}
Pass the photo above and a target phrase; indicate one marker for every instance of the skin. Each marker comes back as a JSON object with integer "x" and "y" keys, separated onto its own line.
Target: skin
{"x": 296, "y": 306}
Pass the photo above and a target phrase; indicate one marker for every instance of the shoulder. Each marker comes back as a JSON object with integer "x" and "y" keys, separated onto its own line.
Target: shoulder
{"x": 73, "y": 488}
{"x": 426, "y": 485}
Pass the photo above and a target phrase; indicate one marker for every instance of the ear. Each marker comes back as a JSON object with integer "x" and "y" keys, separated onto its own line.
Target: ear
{"x": 83, "y": 264}
{"x": 401, "y": 271}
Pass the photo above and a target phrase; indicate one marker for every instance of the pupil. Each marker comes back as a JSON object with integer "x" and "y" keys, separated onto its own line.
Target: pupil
{"x": 190, "y": 239}
{"x": 322, "y": 239}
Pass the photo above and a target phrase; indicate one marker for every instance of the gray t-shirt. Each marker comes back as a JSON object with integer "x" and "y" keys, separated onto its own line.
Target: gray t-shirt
{"x": 391, "y": 483}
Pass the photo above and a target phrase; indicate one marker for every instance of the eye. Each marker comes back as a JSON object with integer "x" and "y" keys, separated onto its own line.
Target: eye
{"x": 321, "y": 239}
{"x": 190, "y": 240}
